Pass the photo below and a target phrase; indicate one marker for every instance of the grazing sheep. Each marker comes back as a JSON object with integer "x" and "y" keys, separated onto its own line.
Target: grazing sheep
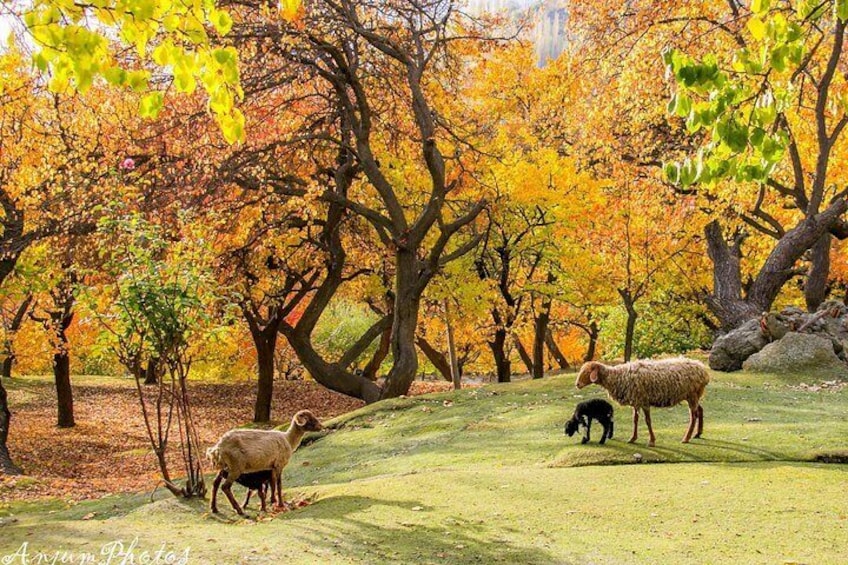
{"x": 643, "y": 384}
{"x": 597, "y": 409}
{"x": 247, "y": 451}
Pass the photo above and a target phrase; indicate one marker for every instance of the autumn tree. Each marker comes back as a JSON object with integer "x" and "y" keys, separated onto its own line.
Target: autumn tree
{"x": 639, "y": 241}
{"x": 774, "y": 124}
{"x": 57, "y": 164}
{"x": 56, "y": 313}
{"x": 396, "y": 177}
{"x": 255, "y": 269}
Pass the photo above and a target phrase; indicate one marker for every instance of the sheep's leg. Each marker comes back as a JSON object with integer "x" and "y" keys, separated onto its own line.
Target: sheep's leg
{"x": 277, "y": 486}
{"x": 588, "y": 428}
{"x": 227, "y": 487}
{"x": 652, "y": 438}
{"x": 215, "y": 484}
{"x": 635, "y": 435}
{"x": 262, "y": 492}
{"x": 247, "y": 499}
{"x": 611, "y": 428}
{"x": 272, "y": 487}
{"x": 700, "y": 421}
{"x": 693, "y": 416}
{"x": 280, "y": 489}
{"x": 606, "y": 432}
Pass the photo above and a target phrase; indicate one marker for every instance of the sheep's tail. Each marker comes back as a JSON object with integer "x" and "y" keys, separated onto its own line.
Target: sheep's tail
{"x": 213, "y": 454}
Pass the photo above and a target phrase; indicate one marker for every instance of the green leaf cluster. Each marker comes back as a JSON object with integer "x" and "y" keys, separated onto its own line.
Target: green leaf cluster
{"x": 76, "y": 43}
{"x": 738, "y": 110}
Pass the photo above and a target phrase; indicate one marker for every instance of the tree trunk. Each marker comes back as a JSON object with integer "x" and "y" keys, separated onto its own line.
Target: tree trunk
{"x": 726, "y": 301}
{"x": 380, "y": 354}
{"x": 815, "y": 287}
{"x": 151, "y": 373}
{"x": 541, "y": 332}
{"x": 330, "y": 375}
{"x": 266, "y": 343}
{"x": 593, "y": 332}
{"x": 555, "y": 351}
{"x": 6, "y": 464}
{"x": 64, "y": 393}
{"x": 522, "y": 352}
{"x": 454, "y": 363}
{"x": 629, "y": 332}
{"x": 630, "y": 329}
{"x": 404, "y": 325}
{"x": 6, "y": 367}
{"x": 503, "y": 367}
{"x": 436, "y": 358}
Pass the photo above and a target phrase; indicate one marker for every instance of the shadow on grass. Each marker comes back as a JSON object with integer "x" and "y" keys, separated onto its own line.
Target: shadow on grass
{"x": 617, "y": 452}
{"x": 407, "y": 539}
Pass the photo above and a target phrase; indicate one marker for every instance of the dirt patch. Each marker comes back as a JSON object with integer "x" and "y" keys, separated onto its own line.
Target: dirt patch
{"x": 108, "y": 451}
{"x": 824, "y": 386}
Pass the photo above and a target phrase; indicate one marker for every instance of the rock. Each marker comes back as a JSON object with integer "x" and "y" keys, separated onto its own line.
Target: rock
{"x": 795, "y": 353}
{"x": 835, "y": 308}
{"x": 775, "y": 326}
{"x": 733, "y": 348}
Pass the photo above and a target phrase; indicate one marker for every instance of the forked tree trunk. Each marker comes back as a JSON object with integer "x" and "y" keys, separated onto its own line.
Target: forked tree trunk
{"x": 727, "y": 301}
{"x": 593, "y": 332}
{"x": 404, "y": 324}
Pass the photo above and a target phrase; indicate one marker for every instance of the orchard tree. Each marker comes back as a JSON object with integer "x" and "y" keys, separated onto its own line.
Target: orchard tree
{"x": 56, "y": 313}
{"x": 385, "y": 157}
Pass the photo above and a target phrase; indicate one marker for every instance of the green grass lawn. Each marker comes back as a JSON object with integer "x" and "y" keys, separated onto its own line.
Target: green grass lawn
{"x": 486, "y": 476}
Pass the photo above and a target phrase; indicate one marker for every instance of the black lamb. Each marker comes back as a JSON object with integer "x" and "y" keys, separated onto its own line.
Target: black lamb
{"x": 258, "y": 481}
{"x": 597, "y": 409}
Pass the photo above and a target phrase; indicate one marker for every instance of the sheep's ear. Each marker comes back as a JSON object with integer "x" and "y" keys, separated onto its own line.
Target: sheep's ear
{"x": 593, "y": 373}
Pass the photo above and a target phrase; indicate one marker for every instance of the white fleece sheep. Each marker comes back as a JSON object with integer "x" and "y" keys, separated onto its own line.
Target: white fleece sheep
{"x": 660, "y": 383}
{"x": 247, "y": 451}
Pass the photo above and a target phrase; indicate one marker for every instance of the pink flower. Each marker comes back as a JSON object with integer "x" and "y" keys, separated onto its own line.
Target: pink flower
{"x": 127, "y": 164}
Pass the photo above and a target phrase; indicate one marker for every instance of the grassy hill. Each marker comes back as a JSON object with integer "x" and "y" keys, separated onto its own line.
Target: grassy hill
{"x": 486, "y": 476}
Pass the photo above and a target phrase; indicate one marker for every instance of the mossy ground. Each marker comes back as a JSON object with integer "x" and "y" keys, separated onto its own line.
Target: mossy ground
{"x": 486, "y": 475}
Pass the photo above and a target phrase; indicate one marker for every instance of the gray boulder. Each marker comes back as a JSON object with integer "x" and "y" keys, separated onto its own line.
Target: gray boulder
{"x": 797, "y": 352}
{"x": 730, "y": 350}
